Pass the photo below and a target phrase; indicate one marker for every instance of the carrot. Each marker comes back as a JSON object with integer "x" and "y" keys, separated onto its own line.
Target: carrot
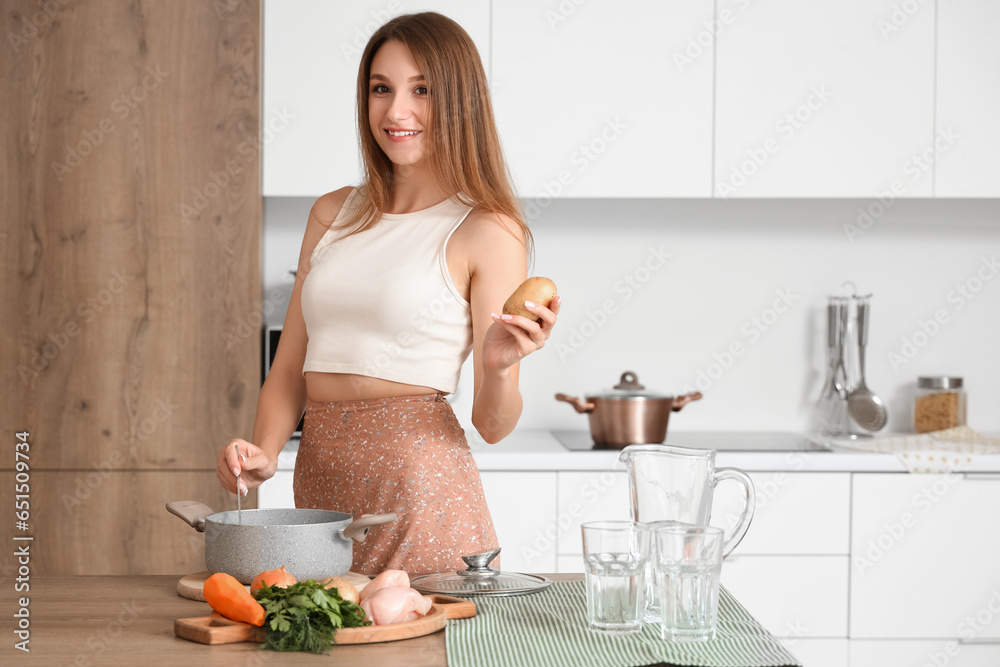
{"x": 227, "y": 596}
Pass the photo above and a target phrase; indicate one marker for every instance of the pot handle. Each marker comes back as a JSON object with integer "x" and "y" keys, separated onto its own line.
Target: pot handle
{"x": 191, "y": 511}
{"x": 681, "y": 401}
{"x": 579, "y": 404}
{"x": 358, "y": 529}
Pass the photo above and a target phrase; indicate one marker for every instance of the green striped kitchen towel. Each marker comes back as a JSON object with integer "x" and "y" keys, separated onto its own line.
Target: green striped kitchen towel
{"x": 549, "y": 629}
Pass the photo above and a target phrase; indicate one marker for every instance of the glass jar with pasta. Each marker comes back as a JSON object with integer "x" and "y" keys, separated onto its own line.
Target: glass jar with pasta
{"x": 940, "y": 403}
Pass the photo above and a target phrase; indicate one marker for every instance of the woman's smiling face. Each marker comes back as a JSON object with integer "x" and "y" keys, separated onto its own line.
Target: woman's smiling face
{"x": 398, "y": 105}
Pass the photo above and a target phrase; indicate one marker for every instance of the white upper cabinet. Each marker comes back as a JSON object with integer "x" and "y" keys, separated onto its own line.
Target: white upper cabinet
{"x": 312, "y": 49}
{"x": 824, "y": 99}
{"x": 968, "y": 99}
{"x": 592, "y": 101}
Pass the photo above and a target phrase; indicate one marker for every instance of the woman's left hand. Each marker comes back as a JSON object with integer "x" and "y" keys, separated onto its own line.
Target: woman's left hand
{"x": 512, "y": 337}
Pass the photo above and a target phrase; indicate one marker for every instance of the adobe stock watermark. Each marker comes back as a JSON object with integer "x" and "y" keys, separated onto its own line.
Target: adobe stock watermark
{"x": 219, "y": 181}
{"x": 121, "y": 107}
{"x": 899, "y": 16}
{"x": 702, "y": 42}
{"x": 352, "y": 50}
{"x": 894, "y": 531}
{"x": 545, "y": 539}
{"x": 958, "y": 297}
{"x": 625, "y": 288}
{"x": 562, "y": 12}
{"x": 786, "y": 127}
{"x": 31, "y": 25}
{"x": 582, "y": 158}
{"x": 751, "y": 331}
{"x": 86, "y": 312}
{"x": 913, "y": 168}
{"x": 969, "y": 629}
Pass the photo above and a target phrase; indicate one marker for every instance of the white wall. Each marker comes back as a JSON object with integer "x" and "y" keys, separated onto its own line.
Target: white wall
{"x": 729, "y": 261}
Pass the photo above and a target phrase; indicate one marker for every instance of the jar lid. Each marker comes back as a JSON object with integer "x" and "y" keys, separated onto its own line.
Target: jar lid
{"x": 479, "y": 579}
{"x": 939, "y": 382}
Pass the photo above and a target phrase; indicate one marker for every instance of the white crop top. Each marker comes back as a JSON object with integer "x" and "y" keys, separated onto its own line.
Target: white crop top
{"x": 381, "y": 303}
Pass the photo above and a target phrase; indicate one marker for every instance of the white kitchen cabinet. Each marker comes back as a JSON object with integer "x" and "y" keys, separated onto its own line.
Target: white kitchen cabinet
{"x": 797, "y": 513}
{"x": 968, "y": 98}
{"x": 523, "y": 505}
{"x": 817, "y": 652}
{"x": 312, "y": 49}
{"x": 592, "y": 495}
{"x": 821, "y": 99}
{"x": 935, "y": 653}
{"x": 276, "y": 493}
{"x": 792, "y": 596}
{"x": 591, "y": 103}
{"x": 924, "y": 557}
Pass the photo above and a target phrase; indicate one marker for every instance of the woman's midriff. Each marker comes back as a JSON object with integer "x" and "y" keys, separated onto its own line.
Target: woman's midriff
{"x": 328, "y": 387}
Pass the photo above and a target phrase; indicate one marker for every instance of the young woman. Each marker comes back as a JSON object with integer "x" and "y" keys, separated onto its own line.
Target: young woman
{"x": 398, "y": 280}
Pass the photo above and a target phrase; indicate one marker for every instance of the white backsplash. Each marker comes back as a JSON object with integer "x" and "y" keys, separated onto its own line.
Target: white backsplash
{"x": 729, "y": 297}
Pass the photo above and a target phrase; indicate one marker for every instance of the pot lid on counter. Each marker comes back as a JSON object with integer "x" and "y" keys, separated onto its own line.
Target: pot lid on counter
{"x": 480, "y": 579}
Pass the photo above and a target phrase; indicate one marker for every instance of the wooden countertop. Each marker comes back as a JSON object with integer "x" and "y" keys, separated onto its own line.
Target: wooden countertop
{"x": 100, "y": 620}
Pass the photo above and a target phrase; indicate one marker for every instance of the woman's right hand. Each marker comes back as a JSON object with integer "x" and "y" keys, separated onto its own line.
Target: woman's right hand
{"x": 252, "y": 464}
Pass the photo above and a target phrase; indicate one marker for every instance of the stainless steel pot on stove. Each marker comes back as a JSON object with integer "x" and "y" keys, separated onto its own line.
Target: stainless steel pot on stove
{"x": 628, "y": 414}
{"x": 311, "y": 544}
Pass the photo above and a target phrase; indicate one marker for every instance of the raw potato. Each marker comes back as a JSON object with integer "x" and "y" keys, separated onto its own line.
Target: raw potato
{"x": 537, "y": 289}
{"x": 345, "y": 588}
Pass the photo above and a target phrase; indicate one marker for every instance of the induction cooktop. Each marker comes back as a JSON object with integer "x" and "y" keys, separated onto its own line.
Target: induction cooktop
{"x": 723, "y": 441}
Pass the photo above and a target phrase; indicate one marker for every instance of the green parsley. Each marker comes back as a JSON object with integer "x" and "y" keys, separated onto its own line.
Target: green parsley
{"x": 305, "y": 616}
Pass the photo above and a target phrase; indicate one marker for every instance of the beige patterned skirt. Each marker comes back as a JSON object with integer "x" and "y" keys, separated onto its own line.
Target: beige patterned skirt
{"x": 406, "y": 455}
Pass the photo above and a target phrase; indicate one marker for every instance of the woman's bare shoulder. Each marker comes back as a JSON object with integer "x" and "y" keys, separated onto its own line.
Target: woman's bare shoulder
{"x": 326, "y": 208}
{"x": 485, "y": 226}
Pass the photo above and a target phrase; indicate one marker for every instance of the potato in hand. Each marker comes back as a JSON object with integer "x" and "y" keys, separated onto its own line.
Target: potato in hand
{"x": 536, "y": 289}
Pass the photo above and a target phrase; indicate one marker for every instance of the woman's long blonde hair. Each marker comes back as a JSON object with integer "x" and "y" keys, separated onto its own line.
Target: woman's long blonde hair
{"x": 465, "y": 155}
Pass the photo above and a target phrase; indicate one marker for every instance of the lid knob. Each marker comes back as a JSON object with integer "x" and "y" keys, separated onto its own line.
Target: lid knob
{"x": 629, "y": 380}
{"x": 479, "y": 564}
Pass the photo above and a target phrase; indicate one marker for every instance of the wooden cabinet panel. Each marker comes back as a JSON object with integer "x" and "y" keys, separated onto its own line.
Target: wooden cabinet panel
{"x": 113, "y": 522}
{"x": 130, "y": 244}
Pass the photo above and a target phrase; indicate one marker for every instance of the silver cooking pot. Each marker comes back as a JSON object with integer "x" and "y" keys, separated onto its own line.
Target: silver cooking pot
{"x": 629, "y": 414}
{"x": 311, "y": 544}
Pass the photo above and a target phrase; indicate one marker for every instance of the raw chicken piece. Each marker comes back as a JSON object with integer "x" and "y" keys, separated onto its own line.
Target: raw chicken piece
{"x": 395, "y": 605}
{"x": 388, "y": 578}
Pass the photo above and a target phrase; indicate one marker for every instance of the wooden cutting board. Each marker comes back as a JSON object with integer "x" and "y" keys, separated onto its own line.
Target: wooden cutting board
{"x": 217, "y": 629}
{"x": 191, "y": 586}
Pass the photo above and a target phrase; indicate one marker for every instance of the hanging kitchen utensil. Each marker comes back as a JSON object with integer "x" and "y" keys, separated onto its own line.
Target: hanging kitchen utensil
{"x": 480, "y": 579}
{"x": 628, "y": 414}
{"x": 867, "y": 411}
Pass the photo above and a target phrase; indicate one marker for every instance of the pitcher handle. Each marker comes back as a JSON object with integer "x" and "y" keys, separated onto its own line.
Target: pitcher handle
{"x": 746, "y": 513}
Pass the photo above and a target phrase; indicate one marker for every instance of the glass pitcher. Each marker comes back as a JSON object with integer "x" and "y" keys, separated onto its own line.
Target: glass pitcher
{"x": 668, "y": 483}
{"x": 676, "y": 485}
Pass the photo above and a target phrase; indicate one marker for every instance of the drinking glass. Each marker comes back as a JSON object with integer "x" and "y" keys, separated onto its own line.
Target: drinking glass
{"x": 687, "y": 561}
{"x": 615, "y": 555}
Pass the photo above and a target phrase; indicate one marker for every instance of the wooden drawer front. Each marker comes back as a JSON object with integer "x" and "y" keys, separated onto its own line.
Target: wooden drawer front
{"x": 924, "y": 557}
{"x": 797, "y": 513}
{"x": 936, "y": 653}
{"x": 792, "y": 596}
